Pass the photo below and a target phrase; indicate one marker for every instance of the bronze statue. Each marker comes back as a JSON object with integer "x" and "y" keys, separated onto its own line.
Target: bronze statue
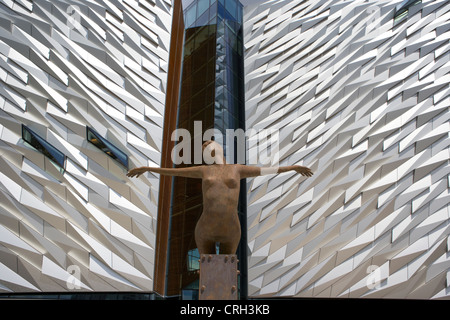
{"x": 219, "y": 221}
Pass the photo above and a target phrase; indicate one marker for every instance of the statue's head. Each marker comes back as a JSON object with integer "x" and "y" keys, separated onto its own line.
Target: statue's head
{"x": 213, "y": 153}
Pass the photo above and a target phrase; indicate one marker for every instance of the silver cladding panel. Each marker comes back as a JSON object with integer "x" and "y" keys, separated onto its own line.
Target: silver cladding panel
{"x": 65, "y": 65}
{"x": 365, "y": 104}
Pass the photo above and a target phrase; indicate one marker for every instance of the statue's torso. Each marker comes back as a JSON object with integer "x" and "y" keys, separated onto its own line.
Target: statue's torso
{"x": 220, "y": 184}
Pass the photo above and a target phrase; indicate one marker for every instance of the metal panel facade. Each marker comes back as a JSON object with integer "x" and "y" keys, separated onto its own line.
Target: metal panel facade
{"x": 66, "y": 66}
{"x": 348, "y": 88}
{"x": 363, "y": 100}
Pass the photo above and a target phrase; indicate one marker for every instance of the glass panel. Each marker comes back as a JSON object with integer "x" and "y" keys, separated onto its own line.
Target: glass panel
{"x": 239, "y": 13}
{"x": 43, "y": 146}
{"x": 108, "y": 148}
{"x": 203, "y": 20}
{"x": 220, "y": 11}
{"x": 407, "y": 4}
{"x": 401, "y": 10}
{"x": 400, "y": 17}
{"x": 193, "y": 257}
{"x": 213, "y": 12}
{"x": 202, "y": 6}
{"x": 190, "y": 294}
{"x": 211, "y": 88}
{"x": 188, "y": 47}
{"x": 26, "y": 135}
{"x": 240, "y": 48}
{"x": 231, "y": 7}
{"x": 191, "y": 15}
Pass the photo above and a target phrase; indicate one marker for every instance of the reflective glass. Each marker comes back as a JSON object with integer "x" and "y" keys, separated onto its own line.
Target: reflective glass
{"x": 220, "y": 11}
{"x": 402, "y": 10}
{"x": 193, "y": 257}
{"x": 400, "y": 17}
{"x": 211, "y": 91}
{"x": 43, "y": 146}
{"x": 231, "y": 6}
{"x": 239, "y": 13}
{"x": 203, "y": 19}
{"x": 202, "y": 6}
{"x": 213, "y": 12}
{"x": 107, "y": 147}
{"x": 191, "y": 15}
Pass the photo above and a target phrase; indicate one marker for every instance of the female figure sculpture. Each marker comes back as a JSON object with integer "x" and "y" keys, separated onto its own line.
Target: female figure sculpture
{"x": 219, "y": 221}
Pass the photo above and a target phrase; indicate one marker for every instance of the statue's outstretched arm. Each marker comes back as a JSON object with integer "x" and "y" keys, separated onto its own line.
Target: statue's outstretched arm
{"x": 248, "y": 171}
{"x": 252, "y": 171}
{"x": 189, "y": 172}
{"x": 304, "y": 171}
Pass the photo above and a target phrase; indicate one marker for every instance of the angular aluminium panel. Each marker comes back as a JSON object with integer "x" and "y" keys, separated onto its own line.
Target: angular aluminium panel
{"x": 365, "y": 104}
{"x": 66, "y": 66}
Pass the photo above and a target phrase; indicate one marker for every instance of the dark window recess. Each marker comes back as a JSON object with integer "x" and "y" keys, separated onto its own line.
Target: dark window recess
{"x": 402, "y": 10}
{"x": 106, "y": 146}
{"x": 41, "y": 145}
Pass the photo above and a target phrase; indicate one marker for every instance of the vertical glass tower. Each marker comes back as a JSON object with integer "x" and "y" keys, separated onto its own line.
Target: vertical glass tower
{"x": 212, "y": 91}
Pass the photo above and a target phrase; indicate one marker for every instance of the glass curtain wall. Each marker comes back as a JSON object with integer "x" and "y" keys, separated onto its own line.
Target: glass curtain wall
{"x": 212, "y": 91}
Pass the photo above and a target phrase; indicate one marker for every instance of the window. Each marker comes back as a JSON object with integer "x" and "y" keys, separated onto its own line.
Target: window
{"x": 190, "y": 15}
{"x": 231, "y": 7}
{"x": 192, "y": 261}
{"x": 402, "y": 10}
{"x": 203, "y": 5}
{"x": 106, "y": 146}
{"x": 37, "y": 142}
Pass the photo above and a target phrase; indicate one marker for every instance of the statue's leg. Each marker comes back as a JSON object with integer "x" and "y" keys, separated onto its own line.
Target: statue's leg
{"x": 204, "y": 244}
{"x": 229, "y": 247}
{"x": 206, "y": 247}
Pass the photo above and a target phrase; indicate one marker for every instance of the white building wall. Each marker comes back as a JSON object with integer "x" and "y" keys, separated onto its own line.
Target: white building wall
{"x": 365, "y": 105}
{"x": 65, "y": 65}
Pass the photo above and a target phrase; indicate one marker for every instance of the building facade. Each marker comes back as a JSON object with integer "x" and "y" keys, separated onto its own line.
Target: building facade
{"x": 356, "y": 90}
{"x": 211, "y": 100}
{"x": 359, "y": 92}
{"x": 83, "y": 95}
